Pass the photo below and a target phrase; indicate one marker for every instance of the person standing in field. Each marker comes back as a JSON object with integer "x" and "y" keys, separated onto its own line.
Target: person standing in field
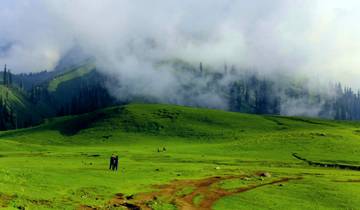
{"x": 112, "y": 161}
{"x": 116, "y": 163}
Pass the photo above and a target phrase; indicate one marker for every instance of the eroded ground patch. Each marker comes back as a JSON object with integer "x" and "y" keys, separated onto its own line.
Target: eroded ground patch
{"x": 190, "y": 194}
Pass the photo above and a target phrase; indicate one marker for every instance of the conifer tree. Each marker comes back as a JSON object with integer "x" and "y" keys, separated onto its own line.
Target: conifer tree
{"x": 5, "y": 76}
{"x": 10, "y": 78}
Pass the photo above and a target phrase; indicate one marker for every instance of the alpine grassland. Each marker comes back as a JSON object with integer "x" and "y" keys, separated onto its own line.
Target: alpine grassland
{"x": 174, "y": 157}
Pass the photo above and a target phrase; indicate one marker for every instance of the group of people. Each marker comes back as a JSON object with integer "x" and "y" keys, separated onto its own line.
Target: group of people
{"x": 114, "y": 162}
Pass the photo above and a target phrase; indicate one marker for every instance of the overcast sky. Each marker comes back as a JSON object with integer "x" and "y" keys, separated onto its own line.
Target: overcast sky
{"x": 315, "y": 37}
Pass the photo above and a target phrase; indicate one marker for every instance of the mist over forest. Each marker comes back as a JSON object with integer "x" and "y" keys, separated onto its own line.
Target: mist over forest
{"x": 295, "y": 58}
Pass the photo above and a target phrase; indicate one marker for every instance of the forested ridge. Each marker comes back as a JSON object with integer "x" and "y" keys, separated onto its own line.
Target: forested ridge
{"x": 240, "y": 91}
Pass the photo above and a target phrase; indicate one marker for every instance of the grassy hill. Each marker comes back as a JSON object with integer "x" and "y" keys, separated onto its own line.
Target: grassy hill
{"x": 206, "y": 158}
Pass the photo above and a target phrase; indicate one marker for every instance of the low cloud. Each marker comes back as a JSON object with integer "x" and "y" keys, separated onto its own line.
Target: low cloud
{"x": 319, "y": 39}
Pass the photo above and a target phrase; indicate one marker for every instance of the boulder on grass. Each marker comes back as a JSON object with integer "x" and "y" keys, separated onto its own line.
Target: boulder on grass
{"x": 265, "y": 174}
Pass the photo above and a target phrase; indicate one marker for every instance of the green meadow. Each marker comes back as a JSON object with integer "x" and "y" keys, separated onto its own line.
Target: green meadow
{"x": 173, "y": 157}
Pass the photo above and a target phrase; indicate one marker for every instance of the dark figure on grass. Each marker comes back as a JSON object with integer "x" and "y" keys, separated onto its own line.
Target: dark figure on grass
{"x": 114, "y": 161}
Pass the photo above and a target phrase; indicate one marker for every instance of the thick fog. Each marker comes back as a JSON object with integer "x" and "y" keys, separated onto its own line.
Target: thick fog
{"x": 316, "y": 38}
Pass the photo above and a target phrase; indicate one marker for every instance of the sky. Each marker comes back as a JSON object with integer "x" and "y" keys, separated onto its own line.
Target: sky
{"x": 317, "y": 38}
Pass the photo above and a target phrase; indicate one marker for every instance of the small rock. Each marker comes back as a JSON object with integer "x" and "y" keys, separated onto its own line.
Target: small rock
{"x": 130, "y": 197}
{"x": 265, "y": 174}
{"x": 217, "y": 168}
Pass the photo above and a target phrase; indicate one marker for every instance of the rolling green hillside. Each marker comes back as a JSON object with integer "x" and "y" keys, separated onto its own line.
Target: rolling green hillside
{"x": 208, "y": 159}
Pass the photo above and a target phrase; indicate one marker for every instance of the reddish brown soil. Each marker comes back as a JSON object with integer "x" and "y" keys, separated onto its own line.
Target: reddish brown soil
{"x": 85, "y": 207}
{"x": 5, "y": 200}
{"x": 206, "y": 187}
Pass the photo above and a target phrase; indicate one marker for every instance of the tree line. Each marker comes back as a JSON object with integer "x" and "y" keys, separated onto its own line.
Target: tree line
{"x": 242, "y": 91}
{"x": 251, "y": 92}
{"x": 7, "y": 113}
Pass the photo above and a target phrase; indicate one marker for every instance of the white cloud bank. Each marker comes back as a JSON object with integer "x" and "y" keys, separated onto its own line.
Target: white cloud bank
{"x": 313, "y": 37}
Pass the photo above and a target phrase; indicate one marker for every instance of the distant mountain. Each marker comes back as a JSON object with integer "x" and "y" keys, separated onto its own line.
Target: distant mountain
{"x": 76, "y": 56}
{"x": 73, "y": 59}
{"x": 30, "y": 98}
{"x": 79, "y": 88}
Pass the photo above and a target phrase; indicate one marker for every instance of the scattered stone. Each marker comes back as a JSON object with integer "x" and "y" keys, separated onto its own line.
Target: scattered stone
{"x": 217, "y": 168}
{"x": 130, "y": 197}
{"x": 265, "y": 174}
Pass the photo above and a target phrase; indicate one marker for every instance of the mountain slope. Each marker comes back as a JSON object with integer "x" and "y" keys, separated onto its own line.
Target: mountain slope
{"x": 18, "y": 105}
{"x": 286, "y": 134}
{"x": 221, "y": 160}
{"x": 68, "y": 90}
{"x": 78, "y": 89}
{"x": 72, "y": 74}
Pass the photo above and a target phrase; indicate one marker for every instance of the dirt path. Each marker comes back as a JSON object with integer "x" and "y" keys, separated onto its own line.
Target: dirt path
{"x": 207, "y": 188}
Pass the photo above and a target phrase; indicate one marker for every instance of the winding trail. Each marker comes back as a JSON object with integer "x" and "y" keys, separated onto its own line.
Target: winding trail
{"x": 207, "y": 188}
